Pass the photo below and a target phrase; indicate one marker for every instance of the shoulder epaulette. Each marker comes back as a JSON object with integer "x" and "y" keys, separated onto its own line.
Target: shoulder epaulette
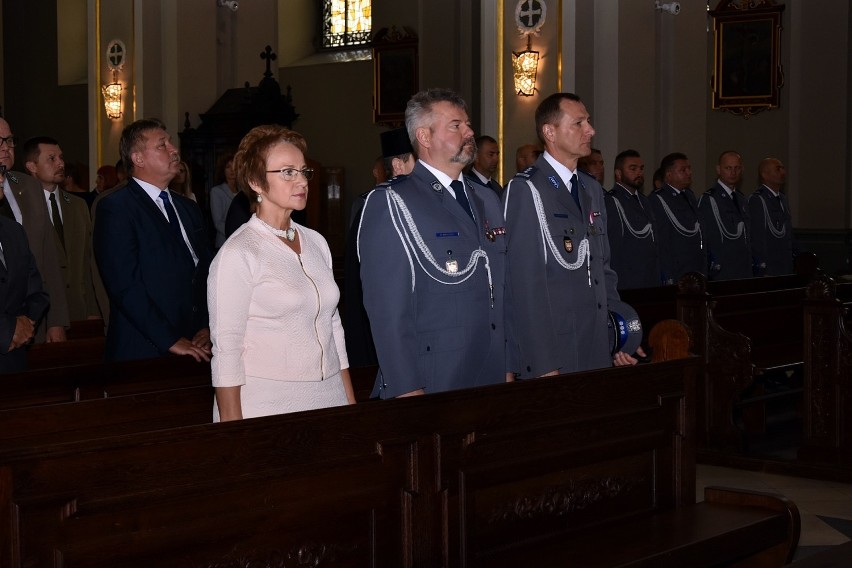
{"x": 527, "y": 173}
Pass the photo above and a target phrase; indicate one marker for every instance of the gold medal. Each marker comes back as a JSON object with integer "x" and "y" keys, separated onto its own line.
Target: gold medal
{"x": 569, "y": 245}
{"x": 452, "y": 266}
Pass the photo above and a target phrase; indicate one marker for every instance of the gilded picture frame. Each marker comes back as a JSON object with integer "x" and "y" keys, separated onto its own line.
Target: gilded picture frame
{"x": 395, "y": 74}
{"x": 747, "y": 72}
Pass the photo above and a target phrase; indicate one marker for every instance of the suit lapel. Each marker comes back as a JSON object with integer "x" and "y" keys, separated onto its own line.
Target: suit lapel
{"x": 448, "y": 202}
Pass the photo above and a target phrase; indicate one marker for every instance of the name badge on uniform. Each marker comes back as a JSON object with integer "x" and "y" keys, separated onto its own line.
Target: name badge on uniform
{"x": 568, "y": 244}
{"x": 452, "y": 266}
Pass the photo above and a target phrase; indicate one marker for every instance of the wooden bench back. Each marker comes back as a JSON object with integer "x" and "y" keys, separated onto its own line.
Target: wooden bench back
{"x": 428, "y": 481}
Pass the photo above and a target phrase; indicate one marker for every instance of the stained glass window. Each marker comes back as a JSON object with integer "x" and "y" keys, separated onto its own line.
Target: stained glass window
{"x": 346, "y": 23}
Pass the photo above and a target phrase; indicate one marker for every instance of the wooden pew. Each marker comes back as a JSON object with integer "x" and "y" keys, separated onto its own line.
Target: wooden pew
{"x": 828, "y": 375}
{"x": 465, "y": 478}
{"x": 100, "y": 380}
{"x": 85, "y": 345}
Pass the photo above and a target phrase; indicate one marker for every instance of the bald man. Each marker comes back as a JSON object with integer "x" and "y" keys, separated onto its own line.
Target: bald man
{"x": 772, "y": 243}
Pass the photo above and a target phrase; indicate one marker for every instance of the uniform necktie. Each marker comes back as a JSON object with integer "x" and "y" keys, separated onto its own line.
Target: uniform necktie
{"x": 780, "y": 202}
{"x": 57, "y": 219}
{"x": 171, "y": 214}
{"x": 458, "y": 188}
{"x": 575, "y": 191}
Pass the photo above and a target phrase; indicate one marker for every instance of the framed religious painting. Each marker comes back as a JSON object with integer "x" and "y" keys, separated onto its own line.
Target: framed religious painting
{"x": 394, "y": 74}
{"x": 747, "y": 73}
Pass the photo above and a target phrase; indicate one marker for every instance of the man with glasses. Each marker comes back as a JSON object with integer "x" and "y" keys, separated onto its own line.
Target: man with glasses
{"x": 152, "y": 254}
{"x": 22, "y": 200}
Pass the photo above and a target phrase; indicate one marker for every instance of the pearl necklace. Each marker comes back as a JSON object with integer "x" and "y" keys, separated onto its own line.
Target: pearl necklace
{"x": 289, "y": 233}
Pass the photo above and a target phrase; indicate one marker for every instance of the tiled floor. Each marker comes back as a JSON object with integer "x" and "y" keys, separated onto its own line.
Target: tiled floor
{"x": 825, "y": 506}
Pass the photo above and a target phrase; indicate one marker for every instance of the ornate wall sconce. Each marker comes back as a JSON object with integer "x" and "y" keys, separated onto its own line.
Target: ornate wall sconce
{"x": 529, "y": 17}
{"x": 525, "y": 67}
{"x": 112, "y": 91}
{"x": 112, "y": 97}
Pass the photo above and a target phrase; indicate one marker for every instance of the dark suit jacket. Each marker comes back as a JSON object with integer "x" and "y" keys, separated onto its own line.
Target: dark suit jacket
{"x": 40, "y": 234}
{"x": 632, "y": 239}
{"x": 156, "y": 294}
{"x": 681, "y": 251}
{"x": 21, "y": 292}
{"x": 729, "y": 255}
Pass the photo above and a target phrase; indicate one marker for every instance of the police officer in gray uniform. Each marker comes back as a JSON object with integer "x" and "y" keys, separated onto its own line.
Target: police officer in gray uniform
{"x": 432, "y": 250}
{"x": 679, "y": 233}
{"x": 630, "y": 224}
{"x": 773, "y": 247}
{"x": 558, "y": 258}
{"x": 724, "y": 222}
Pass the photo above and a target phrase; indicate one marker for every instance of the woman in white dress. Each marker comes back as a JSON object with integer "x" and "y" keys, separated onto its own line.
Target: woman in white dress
{"x": 277, "y": 340}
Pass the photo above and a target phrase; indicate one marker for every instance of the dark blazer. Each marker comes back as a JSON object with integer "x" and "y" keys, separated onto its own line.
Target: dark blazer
{"x": 632, "y": 239}
{"x": 157, "y": 294}
{"x": 772, "y": 244}
{"x": 560, "y": 315}
{"x": 430, "y": 334}
{"x": 725, "y": 225}
{"x": 356, "y": 325}
{"x": 21, "y": 292}
{"x": 681, "y": 248}
{"x": 40, "y": 234}
{"x": 492, "y": 185}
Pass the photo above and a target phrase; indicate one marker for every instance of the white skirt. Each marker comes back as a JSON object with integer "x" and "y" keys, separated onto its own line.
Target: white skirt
{"x": 265, "y": 397}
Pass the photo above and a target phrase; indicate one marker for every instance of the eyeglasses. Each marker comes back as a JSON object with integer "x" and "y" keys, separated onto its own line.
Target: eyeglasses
{"x": 290, "y": 174}
{"x": 8, "y": 141}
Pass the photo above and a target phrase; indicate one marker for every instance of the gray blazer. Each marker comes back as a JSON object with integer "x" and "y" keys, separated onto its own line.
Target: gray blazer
{"x": 772, "y": 246}
{"x": 560, "y": 315}
{"x": 40, "y": 234}
{"x": 433, "y": 330}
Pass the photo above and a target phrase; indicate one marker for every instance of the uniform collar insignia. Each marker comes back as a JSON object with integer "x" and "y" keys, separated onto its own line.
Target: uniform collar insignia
{"x": 12, "y": 177}
{"x": 66, "y": 197}
{"x": 553, "y": 181}
{"x": 436, "y": 185}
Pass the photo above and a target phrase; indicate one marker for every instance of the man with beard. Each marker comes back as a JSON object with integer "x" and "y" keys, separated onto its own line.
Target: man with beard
{"x": 630, "y": 224}
{"x": 72, "y": 228}
{"x": 558, "y": 255}
{"x": 153, "y": 255}
{"x": 724, "y": 221}
{"x": 679, "y": 236}
{"x": 432, "y": 249}
{"x": 593, "y": 164}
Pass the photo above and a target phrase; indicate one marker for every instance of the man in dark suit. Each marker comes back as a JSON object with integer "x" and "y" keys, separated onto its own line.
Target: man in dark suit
{"x": 485, "y": 164}
{"x": 559, "y": 276}
{"x": 22, "y": 200}
{"x": 432, "y": 249}
{"x": 679, "y": 236}
{"x": 23, "y": 299}
{"x": 630, "y": 223}
{"x": 724, "y": 222}
{"x": 152, "y": 254}
{"x": 773, "y": 247}
{"x": 72, "y": 226}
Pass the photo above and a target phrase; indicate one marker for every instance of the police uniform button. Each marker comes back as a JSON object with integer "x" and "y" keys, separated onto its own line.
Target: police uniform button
{"x": 529, "y": 369}
{"x": 493, "y": 326}
{"x": 599, "y": 306}
{"x": 428, "y": 348}
{"x": 596, "y": 280}
{"x": 194, "y": 308}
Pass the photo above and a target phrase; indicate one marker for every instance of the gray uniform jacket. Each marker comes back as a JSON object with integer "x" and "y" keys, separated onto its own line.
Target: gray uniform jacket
{"x": 632, "y": 239}
{"x": 433, "y": 330}
{"x": 560, "y": 315}
{"x": 724, "y": 222}
{"x": 679, "y": 234}
{"x": 772, "y": 243}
